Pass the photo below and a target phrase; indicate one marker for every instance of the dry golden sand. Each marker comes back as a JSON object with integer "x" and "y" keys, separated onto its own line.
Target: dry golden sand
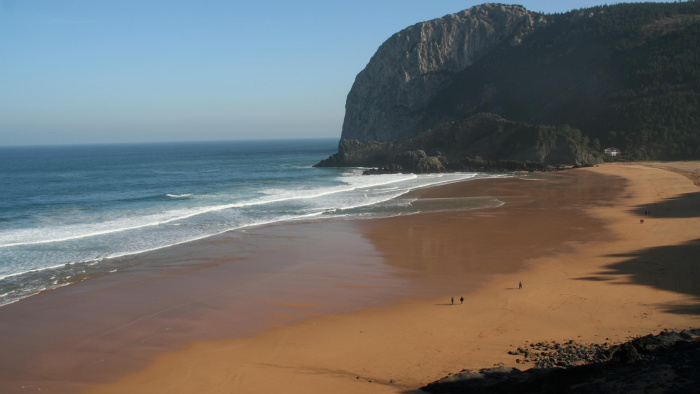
{"x": 626, "y": 279}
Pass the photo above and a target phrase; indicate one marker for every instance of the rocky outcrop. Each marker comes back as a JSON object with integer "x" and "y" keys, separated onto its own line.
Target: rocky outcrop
{"x": 388, "y": 98}
{"x": 665, "y": 363}
{"x": 484, "y": 142}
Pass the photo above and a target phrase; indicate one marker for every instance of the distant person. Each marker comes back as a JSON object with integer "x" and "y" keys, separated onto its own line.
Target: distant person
{"x": 461, "y": 300}
{"x": 453, "y": 300}
{"x": 520, "y": 285}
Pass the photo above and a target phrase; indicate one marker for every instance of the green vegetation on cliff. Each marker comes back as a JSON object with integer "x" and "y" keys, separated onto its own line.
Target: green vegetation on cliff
{"x": 626, "y": 75}
{"x": 484, "y": 142}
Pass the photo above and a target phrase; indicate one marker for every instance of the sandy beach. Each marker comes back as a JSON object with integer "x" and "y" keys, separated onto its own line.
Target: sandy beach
{"x": 364, "y": 306}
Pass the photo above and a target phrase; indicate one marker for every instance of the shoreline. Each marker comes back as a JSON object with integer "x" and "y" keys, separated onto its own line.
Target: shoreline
{"x": 422, "y": 341}
{"x": 83, "y": 270}
{"x": 318, "y": 338}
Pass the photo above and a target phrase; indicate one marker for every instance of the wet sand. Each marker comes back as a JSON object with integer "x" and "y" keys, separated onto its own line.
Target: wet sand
{"x": 329, "y": 307}
{"x": 233, "y": 285}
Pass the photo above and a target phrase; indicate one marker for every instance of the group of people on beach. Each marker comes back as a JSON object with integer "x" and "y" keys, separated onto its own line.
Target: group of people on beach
{"x": 461, "y": 299}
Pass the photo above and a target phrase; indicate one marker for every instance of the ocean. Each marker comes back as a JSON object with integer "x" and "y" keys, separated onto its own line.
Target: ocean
{"x": 68, "y": 213}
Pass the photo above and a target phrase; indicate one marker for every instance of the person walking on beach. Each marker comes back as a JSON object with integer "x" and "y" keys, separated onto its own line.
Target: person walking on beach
{"x": 461, "y": 300}
{"x": 520, "y": 285}
{"x": 453, "y": 300}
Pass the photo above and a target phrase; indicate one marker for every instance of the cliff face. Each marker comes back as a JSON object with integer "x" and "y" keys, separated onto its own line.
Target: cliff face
{"x": 388, "y": 98}
{"x": 484, "y": 142}
{"x": 625, "y": 75}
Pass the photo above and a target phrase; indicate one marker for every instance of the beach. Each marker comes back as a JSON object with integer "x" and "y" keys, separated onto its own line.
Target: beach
{"x": 603, "y": 253}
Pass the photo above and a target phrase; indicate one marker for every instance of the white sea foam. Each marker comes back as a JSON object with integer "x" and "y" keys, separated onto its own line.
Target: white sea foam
{"x": 46, "y": 235}
{"x": 42, "y": 269}
{"x": 12, "y": 300}
{"x": 336, "y": 200}
{"x": 246, "y": 225}
{"x": 86, "y": 226}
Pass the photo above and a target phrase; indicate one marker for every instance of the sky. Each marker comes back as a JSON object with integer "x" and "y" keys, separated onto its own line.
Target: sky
{"x": 114, "y": 71}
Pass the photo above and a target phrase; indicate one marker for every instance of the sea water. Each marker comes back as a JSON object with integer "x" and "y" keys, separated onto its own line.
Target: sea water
{"x": 70, "y": 212}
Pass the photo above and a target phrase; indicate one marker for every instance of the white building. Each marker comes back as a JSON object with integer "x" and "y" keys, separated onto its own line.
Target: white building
{"x": 612, "y": 152}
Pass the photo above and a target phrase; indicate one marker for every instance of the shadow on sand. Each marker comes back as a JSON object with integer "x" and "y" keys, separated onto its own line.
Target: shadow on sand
{"x": 673, "y": 268}
{"x": 684, "y": 206}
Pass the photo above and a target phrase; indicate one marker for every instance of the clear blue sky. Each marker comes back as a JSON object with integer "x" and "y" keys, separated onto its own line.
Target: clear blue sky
{"x": 133, "y": 71}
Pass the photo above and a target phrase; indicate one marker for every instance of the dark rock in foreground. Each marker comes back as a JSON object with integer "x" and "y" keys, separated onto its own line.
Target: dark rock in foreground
{"x": 665, "y": 363}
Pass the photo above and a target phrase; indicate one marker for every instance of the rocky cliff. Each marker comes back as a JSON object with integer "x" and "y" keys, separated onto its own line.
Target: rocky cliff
{"x": 626, "y": 75}
{"x": 389, "y": 96}
{"x": 484, "y": 142}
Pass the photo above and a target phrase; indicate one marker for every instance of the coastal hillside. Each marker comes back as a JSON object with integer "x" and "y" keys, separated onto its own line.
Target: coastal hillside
{"x": 484, "y": 142}
{"x": 625, "y": 75}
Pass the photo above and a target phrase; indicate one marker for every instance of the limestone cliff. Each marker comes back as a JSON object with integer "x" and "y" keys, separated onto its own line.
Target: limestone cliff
{"x": 624, "y": 75}
{"x": 389, "y": 96}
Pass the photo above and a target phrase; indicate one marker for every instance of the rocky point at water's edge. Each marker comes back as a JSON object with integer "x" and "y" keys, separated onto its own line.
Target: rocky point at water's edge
{"x": 484, "y": 142}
